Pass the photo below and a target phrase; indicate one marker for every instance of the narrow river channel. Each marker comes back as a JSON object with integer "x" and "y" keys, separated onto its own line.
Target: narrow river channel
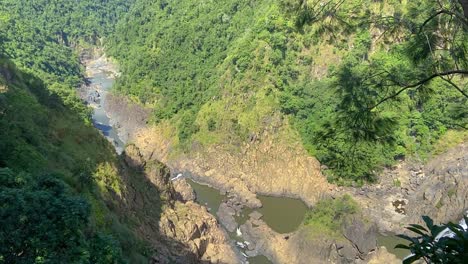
{"x": 100, "y": 81}
{"x": 283, "y": 215}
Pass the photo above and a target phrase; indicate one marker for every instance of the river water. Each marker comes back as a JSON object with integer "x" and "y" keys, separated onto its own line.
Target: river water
{"x": 281, "y": 214}
{"x": 101, "y": 79}
{"x": 390, "y": 241}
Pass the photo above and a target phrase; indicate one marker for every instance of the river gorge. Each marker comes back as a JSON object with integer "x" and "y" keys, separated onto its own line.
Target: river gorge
{"x": 101, "y": 75}
{"x": 233, "y": 132}
{"x": 250, "y": 225}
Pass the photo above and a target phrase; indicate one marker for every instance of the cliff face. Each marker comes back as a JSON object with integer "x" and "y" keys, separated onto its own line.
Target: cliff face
{"x": 178, "y": 231}
{"x": 269, "y": 163}
{"x": 127, "y": 118}
{"x": 442, "y": 189}
{"x": 438, "y": 189}
{"x": 266, "y": 165}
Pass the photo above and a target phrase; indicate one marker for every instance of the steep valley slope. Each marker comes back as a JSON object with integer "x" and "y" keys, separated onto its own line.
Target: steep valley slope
{"x": 130, "y": 200}
{"x": 318, "y": 102}
{"x": 245, "y": 96}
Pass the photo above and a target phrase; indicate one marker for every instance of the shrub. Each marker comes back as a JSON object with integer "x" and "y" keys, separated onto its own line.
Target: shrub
{"x": 329, "y": 214}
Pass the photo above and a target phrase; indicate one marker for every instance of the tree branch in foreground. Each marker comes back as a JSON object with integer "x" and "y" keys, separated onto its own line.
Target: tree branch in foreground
{"x": 439, "y": 74}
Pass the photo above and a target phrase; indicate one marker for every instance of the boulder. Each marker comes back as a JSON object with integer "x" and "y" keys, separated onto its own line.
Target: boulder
{"x": 255, "y": 215}
{"x": 363, "y": 237}
{"x": 184, "y": 191}
{"x": 226, "y": 217}
{"x": 198, "y": 233}
{"x": 347, "y": 253}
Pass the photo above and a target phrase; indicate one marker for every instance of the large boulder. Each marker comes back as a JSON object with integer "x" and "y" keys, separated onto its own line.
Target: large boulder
{"x": 363, "y": 236}
{"x": 226, "y": 217}
{"x": 192, "y": 225}
{"x": 184, "y": 191}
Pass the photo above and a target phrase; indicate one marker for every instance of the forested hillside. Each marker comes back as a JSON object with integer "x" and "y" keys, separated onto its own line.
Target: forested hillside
{"x": 48, "y": 180}
{"x": 42, "y": 38}
{"x": 55, "y": 167}
{"x": 218, "y": 71}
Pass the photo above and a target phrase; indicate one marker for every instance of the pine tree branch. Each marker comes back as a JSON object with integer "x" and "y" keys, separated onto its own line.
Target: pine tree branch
{"x": 460, "y": 17}
{"x": 429, "y": 19}
{"x": 421, "y": 82}
{"x": 456, "y": 87}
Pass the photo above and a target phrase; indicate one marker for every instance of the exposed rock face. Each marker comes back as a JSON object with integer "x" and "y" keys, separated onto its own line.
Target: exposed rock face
{"x": 180, "y": 232}
{"x": 133, "y": 158}
{"x": 156, "y": 172}
{"x": 226, "y": 217}
{"x": 266, "y": 165}
{"x": 303, "y": 247}
{"x": 443, "y": 194}
{"x": 255, "y": 215}
{"x": 192, "y": 225}
{"x": 184, "y": 191}
{"x": 126, "y": 117}
{"x": 361, "y": 235}
{"x": 439, "y": 189}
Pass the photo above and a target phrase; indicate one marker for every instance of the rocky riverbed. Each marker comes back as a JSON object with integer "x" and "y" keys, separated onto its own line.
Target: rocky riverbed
{"x": 438, "y": 189}
{"x": 100, "y": 76}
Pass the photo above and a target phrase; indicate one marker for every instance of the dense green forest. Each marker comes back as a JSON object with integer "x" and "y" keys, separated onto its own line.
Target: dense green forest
{"x": 42, "y": 37}
{"x": 54, "y": 166}
{"x": 364, "y": 83}
{"x": 220, "y": 70}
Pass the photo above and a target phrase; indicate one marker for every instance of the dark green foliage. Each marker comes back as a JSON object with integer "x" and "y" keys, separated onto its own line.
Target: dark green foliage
{"x": 373, "y": 110}
{"x": 65, "y": 22}
{"x": 105, "y": 249}
{"x": 43, "y": 223}
{"x": 444, "y": 250}
{"x": 47, "y": 140}
{"x": 211, "y": 124}
{"x": 36, "y": 125}
{"x": 179, "y": 56}
{"x": 39, "y": 135}
{"x": 187, "y": 126}
{"x": 170, "y": 50}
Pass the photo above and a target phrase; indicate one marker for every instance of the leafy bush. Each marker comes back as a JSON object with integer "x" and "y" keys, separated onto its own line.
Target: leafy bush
{"x": 328, "y": 215}
{"x": 187, "y": 127}
{"x": 42, "y": 222}
{"x": 426, "y": 245}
